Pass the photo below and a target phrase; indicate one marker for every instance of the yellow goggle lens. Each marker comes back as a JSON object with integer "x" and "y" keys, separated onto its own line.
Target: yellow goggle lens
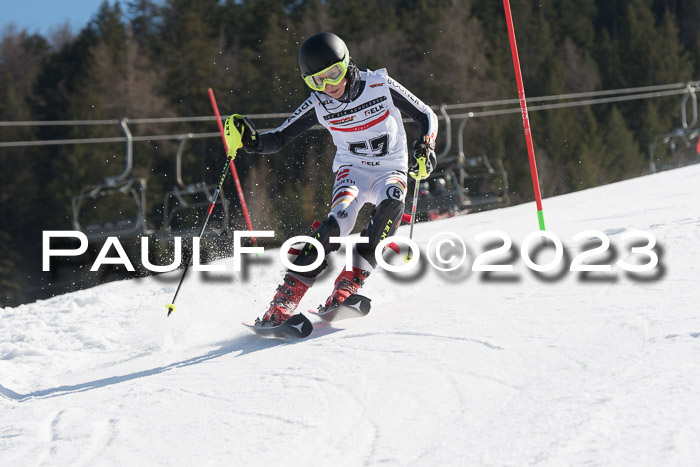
{"x": 333, "y": 75}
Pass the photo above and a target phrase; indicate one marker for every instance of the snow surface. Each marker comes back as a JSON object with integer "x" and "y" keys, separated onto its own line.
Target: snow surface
{"x": 459, "y": 368}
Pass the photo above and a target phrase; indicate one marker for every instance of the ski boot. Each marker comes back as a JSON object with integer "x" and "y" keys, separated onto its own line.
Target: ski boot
{"x": 347, "y": 283}
{"x": 285, "y": 301}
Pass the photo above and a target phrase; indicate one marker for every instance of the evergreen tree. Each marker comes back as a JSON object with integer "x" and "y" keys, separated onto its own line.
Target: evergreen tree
{"x": 584, "y": 166}
{"x": 21, "y": 58}
{"x": 622, "y": 157}
{"x": 190, "y": 30}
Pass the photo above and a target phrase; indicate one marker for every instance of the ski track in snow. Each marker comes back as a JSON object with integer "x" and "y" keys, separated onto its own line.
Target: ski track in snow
{"x": 458, "y": 368}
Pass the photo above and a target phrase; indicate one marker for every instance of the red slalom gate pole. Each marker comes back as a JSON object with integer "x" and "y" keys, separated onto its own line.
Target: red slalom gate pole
{"x": 523, "y": 111}
{"x": 234, "y": 172}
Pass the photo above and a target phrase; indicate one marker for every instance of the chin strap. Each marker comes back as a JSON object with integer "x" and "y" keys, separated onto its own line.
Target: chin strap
{"x": 353, "y": 88}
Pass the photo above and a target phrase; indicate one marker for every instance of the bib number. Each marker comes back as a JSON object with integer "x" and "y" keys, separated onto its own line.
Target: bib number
{"x": 377, "y": 147}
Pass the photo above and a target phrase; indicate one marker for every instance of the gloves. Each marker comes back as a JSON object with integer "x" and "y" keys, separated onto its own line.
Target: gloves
{"x": 423, "y": 155}
{"x": 239, "y": 131}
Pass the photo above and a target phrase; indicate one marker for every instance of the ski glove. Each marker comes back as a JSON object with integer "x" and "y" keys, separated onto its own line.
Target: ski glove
{"x": 423, "y": 156}
{"x": 249, "y": 135}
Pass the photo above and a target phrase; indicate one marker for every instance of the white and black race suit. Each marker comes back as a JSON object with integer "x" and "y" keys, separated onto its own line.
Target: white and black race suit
{"x": 372, "y": 155}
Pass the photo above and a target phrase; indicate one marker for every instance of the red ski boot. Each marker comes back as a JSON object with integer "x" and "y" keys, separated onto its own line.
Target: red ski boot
{"x": 347, "y": 283}
{"x": 285, "y": 301}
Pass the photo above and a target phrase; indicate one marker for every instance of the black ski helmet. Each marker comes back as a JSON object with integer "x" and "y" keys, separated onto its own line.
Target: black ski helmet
{"x": 320, "y": 51}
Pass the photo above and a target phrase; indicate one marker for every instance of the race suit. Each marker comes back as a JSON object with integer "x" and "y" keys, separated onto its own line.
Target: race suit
{"x": 371, "y": 161}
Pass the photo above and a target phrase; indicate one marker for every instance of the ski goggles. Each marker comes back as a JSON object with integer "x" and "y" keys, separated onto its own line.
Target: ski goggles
{"x": 334, "y": 74}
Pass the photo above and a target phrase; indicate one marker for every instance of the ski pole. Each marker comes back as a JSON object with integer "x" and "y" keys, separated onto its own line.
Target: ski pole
{"x": 422, "y": 175}
{"x": 236, "y": 137}
{"x": 234, "y": 172}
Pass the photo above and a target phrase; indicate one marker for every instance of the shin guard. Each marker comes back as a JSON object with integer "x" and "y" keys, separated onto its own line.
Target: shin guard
{"x": 383, "y": 223}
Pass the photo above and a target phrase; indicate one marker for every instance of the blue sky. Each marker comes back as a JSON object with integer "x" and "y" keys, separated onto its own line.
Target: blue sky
{"x": 39, "y": 16}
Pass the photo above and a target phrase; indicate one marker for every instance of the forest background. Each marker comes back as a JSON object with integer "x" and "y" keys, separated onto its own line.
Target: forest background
{"x": 141, "y": 59}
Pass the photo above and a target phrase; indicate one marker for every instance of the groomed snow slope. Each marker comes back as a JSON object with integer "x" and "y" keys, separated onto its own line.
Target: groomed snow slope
{"x": 459, "y": 368}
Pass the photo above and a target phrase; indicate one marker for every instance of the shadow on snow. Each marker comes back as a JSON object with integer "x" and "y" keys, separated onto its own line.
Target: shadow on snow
{"x": 246, "y": 344}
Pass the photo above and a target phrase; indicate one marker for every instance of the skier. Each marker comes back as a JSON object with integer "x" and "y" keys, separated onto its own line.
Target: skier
{"x": 362, "y": 111}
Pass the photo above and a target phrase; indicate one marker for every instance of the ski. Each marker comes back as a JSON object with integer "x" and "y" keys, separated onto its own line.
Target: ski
{"x": 296, "y": 327}
{"x": 354, "y": 306}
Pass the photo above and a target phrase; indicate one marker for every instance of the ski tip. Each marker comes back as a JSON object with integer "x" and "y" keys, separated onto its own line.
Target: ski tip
{"x": 354, "y": 306}
{"x": 170, "y": 307}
